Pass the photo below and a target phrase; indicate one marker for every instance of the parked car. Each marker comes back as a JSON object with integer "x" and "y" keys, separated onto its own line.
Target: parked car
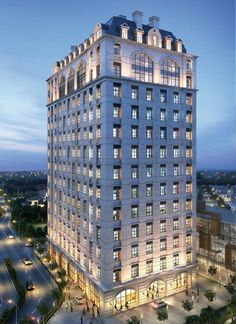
{"x": 27, "y": 261}
{"x": 11, "y": 236}
{"x": 29, "y": 285}
{"x": 79, "y": 300}
{"x": 159, "y": 304}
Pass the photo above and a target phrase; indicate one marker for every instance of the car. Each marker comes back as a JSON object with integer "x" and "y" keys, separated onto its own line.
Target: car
{"x": 79, "y": 300}
{"x": 27, "y": 261}
{"x": 11, "y": 236}
{"x": 29, "y": 285}
{"x": 159, "y": 305}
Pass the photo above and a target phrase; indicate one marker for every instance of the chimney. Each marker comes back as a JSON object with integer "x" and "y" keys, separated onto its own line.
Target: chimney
{"x": 154, "y": 22}
{"x": 138, "y": 18}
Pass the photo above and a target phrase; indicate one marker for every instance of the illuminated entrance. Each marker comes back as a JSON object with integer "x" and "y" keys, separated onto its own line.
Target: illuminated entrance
{"x": 182, "y": 281}
{"x": 126, "y": 299}
{"x": 156, "y": 290}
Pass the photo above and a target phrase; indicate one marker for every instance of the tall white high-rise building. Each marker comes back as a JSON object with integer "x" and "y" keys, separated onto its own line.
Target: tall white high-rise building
{"x": 122, "y": 163}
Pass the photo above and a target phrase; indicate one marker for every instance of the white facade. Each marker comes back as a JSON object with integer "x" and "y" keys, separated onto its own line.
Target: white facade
{"x": 121, "y": 164}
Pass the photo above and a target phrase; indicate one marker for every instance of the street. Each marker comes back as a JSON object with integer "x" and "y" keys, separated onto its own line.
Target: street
{"x": 16, "y": 250}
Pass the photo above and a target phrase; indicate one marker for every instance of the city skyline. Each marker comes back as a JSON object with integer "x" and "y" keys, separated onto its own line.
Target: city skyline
{"x": 31, "y": 41}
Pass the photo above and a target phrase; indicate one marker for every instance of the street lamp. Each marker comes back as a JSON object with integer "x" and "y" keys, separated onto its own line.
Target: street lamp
{"x": 10, "y": 301}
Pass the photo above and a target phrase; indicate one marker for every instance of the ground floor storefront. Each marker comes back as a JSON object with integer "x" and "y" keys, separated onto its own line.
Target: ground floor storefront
{"x": 128, "y": 295}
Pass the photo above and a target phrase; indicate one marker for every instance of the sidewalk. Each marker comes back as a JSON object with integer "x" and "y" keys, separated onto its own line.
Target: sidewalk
{"x": 176, "y": 313}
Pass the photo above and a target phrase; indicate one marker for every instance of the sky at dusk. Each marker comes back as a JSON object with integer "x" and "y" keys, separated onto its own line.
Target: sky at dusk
{"x": 34, "y": 34}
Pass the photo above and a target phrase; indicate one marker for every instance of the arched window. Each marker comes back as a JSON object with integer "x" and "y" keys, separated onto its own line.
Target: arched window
{"x": 70, "y": 82}
{"x": 125, "y": 299}
{"x": 142, "y": 67}
{"x": 62, "y": 85}
{"x": 154, "y": 40}
{"x": 170, "y": 73}
{"x": 81, "y": 75}
{"x": 117, "y": 49}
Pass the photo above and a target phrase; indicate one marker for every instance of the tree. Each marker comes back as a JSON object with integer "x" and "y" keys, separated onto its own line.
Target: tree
{"x": 230, "y": 312}
{"x": 212, "y": 270}
{"x": 39, "y": 232}
{"x": 208, "y": 315}
{"x": 193, "y": 319}
{"x": 56, "y": 294}
{"x": 187, "y": 305}
{"x": 133, "y": 320}
{"x": 210, "y": 295}
{"x": 43, "y": 309}
{"x": 230, "y": 288}
{"x": 162, "y": 315}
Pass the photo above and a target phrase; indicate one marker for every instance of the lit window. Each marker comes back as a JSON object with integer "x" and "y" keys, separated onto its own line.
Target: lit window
{"x": 116, "y": 193}
{"x": 116, "y": 234}
{"x": 149, "y": 94}
{"x": 134, "y": 231}
{"x": 149, "y": 247}
{"x": 124, "y": 32}
{"x": 116, "y": 276}
{"x": 134, "y": 112}
{"x": 189, "y": 222}
{"x": 116, "y": 255}
{"x": 149, "y": 132}
{"x": 170, "y": 73}
{"x": 163, "y": 226}
{"x": 189, "y": 81}
{"x": 188, "y": 169}
{"x": 142, "y": 67}
{"x": 149, "y": 171}
{"x": 149, "y": 113}
{"x": 163, "y": 95}
{"x": 175, "y": 224}
{"x": 81, "y": 75}
{"x": 176, "y": 151}
{"x": 134, "y": 131}
{"x": 139, "y": 36}
{"x": 134, "y": 191}
{"x": 149, "y": 228}
{"x": 116, "y": 111}
{"x": 188, "y": 117}
{"x": 116, "y": 152}
{"x": 188, "y": 134}
{"x": 149, "y": 152}
{"x": 134, "y": 211}
{"x": 116, "y": 213}
{"x": 134, "y": 172}
{"x": 175, "y": 260}
{"x": 149, "y": 210}
{"x": 163, "y": 189}
{"x": 163, "y": 133}
{"x": 163, "y": 244}
{"x": 189, "y": 99}
{"x": 149, "y": 190}
{"x": 134, "y": 270}
{"x": 134, "y": 92}
{"x": 188, "y": 239}
{"x": 176, "y": 98}
{"x": 188, "y": 257}
{"x": 175, "y": 241}
{"x": 163, "y": 263}
{"x": 188, "y": 204}
{"x": 116, "y": 173}
{"x": 134, "y": 251}
{"x": 188, "y": 186}
{"x": 163, "y": 152}
{"x": 163, "y": 170}
{"x": 163, "y": 115}
{"x": 176, "y": 116}
{"x": 117, "y": 90}
{"x": 149, "y": 267}
{"x": 175, "y": 206}
{"x": 175, "y": 188}
{"x": 163, "y": 207}
{"x": 117, "y": 69}
{"x": 188, "y": 152}
{"x": 134, "y": 152}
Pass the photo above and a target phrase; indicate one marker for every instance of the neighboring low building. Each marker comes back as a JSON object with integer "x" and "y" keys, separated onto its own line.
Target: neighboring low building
{"x": 216, "y": 242}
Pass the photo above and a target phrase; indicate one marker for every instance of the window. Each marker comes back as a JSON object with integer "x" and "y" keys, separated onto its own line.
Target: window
{"x": 189, "y": 222}
{"x": 117, "y": 68}
{"x": 188, "y": 117}
{"x": 149, "y": 113}
{"x": 189, "y": 64}
{"x": 163, "y": 263}
{"x": 124, "y": 32}
{"x": 188, "y": 204}
{"x": 149, "y": 190}
{"x": 176, "y": 116}
{"x": 176, "y": 98}
{"x": 163, "y": 171}
{"x": 62, "y": 85}
{"x": 188, "y": 239}
{"x": 149, "y": 267}
{"x": 134, "y": 251}
{"x": 134, "y": 171}
{"x": 116, "y": 255}
{"x": 149, "y": 152}
{"x": 134, "y": 191}
{"x": 134, "y": 112}
{"x": 134, "y": 211}
{"x": 170, "y": 73}
{"x": 175, "y": 241}
{"x": 149, "y": 228}
{"x": 81, "y": 75}
{"x": 116, "y": 213}
{"x": 188, "y": 152}
{"x": 175, "y": 188}
{"x": 175, "y": 224}
{"x": 134, "y": 231}
{"x": 188, "y": 187}
{"x": 149, "y": 209}
{"x": 163, "y": 133}
{"x": 116, "y": 234}
{"x": 116, "y": 193}
{"x": 116, "y": 276}
{"x": 70, "y": 83}
{"x": 163, "y": 115}
{"x": 134, "y": 131}
{"x": 175, "y": 260}
{"x": 163, "y": 244}
{"x": 142, "y": 67}
{"x": 163, "y": 226}
{"x": 116, "y": 111}
{"x": 139, "y": 36}
{"x": 117, "y": 90}
{"x": 189, "y": 99}
{"x": 188, "y": 134}
{"x": 134, "y": 152}
{"x": 163, "y": 95}
{"x": 162, "y": 207}
{"x": 149, "y": 171}
{"x": 116, "y": 131}
{"x": 149, "y": 247}
{"x": 116, "y": 152}
{"x": 134, "y": 92}
{"x": 175, "y": 170}
{"x": 117, "y": 49}
{"x": 163, "y": 189}
{"x": 188, "y": 257}
{"x": 176, "y": 151}
{"x": 175, "y": 206}
{"x": 134, "y": 270}
{"x": 149, "y": 94}
{"x": 188, "y": 81}
{"x": 163, "y": 152}
{"x": 188, "y": 169}
{"x": 116, "y": 172}
{"x": 149, "y": 132}
{"x": 98, "y": 232}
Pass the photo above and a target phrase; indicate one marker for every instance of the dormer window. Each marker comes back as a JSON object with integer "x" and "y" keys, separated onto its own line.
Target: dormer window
{"x": 154, "y": 40}
{"x": 168, "y": 42}
{"x": 139, "y": 36}
{"x": 124, "y": 31}
{"x": 179, "y": 46}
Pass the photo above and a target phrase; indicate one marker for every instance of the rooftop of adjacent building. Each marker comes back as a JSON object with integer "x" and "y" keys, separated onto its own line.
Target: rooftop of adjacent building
{"x": 226, "y": 215}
